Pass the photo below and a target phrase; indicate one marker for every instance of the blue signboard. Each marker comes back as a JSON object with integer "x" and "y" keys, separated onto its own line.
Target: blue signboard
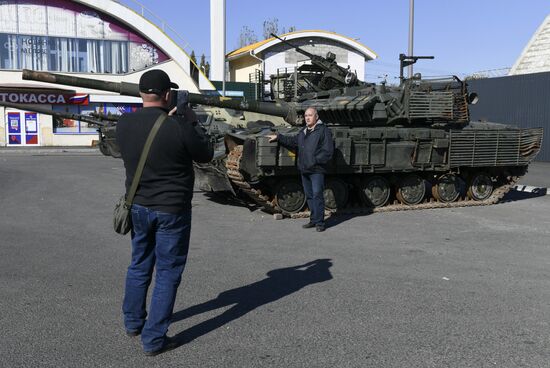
{"x": 14, "y": 128}
{"x": 14, "y": 123}
{"x": 31, "y": 123}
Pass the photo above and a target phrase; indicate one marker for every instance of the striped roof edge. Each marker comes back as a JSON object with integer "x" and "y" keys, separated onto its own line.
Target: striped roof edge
{"x": 534, "y": 57}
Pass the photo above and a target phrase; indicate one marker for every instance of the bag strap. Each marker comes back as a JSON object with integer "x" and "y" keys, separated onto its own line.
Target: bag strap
{"x": 143, "y": 158}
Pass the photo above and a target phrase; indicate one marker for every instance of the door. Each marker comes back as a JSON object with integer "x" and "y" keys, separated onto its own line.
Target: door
{"x": 22, "y": 128}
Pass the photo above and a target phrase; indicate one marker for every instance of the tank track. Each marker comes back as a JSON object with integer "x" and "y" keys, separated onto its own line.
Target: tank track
{"x": 233, "y": 171}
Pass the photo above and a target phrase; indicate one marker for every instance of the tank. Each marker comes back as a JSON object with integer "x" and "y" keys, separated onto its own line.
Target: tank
{"x": 410, "y": 146}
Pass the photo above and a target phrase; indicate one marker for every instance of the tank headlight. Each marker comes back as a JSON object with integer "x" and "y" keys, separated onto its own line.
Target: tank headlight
{"x": 473, "y": 98}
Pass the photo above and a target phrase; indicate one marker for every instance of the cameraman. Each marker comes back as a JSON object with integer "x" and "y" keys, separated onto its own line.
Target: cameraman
{"x": 161, "y": 211}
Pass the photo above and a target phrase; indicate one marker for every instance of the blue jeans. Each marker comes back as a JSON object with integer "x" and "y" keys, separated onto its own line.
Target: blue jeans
{"x": 160, "y": 240}
{"x": 314, "y": 186}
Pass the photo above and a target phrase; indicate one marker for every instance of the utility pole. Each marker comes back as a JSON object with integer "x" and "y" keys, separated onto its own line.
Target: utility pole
{"x": 411, "y": 34}
{"x": 217, "y": 41}
{"x": 224, "y": 52}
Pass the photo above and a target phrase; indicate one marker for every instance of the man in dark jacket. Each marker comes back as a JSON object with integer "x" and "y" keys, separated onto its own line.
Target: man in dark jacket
{"x": 161, "y": 212}
{"x": 315, "y": 148}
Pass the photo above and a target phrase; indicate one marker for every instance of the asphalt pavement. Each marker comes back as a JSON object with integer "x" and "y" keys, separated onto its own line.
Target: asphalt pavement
{"x": 462, "y": 287}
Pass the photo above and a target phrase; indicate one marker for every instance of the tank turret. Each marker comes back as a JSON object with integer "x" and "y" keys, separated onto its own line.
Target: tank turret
{"x": 415, "y": 102}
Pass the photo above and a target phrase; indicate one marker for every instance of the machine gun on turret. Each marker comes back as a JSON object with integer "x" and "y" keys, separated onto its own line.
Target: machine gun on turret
{"x": 405, "y": 60}
{"x": 334, "y": 76}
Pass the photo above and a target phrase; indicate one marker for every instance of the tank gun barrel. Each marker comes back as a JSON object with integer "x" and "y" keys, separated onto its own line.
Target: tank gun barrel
{"x": 132, "y": 89}
{"x": 97, "y": 115}
{"x": 297, "y": 48}
{"x": 98, "y": 119}
{"x": 123, "y": 88}
{"x": 269, "y": 108}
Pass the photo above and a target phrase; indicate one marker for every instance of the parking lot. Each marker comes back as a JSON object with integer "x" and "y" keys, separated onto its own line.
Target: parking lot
{"x": 462, "y": 287}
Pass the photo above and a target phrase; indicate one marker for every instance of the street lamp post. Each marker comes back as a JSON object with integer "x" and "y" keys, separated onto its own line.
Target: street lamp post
{"x": 411, "y": 35}
{"x": 224, "y": 51}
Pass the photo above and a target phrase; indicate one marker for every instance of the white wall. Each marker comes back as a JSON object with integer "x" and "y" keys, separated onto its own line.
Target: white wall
{"x": 274, "y": 61}
{"x": 357, "y": 64}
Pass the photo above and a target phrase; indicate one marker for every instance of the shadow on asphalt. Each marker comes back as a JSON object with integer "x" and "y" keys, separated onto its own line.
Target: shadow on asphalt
{"x": 278, "y": 284}
{"x": 336, "y": 219}
{"x": 229, "y": 199}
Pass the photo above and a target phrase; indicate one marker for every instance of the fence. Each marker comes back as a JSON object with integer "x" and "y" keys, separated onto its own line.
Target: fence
{"x": 521, "y": 100}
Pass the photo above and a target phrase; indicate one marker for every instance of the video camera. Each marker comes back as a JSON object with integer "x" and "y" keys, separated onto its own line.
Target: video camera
{"x": 180, "y": 99}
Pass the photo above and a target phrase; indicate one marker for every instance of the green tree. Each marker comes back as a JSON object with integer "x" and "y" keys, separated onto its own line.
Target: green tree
{"x": 193, "y": 67}
{"x": 290, "y": 29}
{"x": 270, "y": 26}
{"x": 207, "y": 69}
{"x": 205, "y": 66}
{"x": 247, "y": 37}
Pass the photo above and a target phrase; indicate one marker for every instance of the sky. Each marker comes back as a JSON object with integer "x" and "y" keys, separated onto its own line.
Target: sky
{"x": 464, "y": 36}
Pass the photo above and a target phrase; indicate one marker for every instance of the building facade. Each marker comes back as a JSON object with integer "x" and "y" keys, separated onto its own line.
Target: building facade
{"x": 271, "y": 55}
{"x": 535, "y": 57}
{"x": 100, "y": 39}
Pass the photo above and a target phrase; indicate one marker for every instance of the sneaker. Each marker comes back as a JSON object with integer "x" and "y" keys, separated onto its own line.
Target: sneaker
{"x": 320, "y": 228}
{"x": 309, "y": 225}
{"x": 169, "y": 344}
{"x": 133, "y": 333}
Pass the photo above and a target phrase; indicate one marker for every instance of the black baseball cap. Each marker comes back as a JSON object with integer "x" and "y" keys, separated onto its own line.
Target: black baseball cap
{"x": 155, "y": 81}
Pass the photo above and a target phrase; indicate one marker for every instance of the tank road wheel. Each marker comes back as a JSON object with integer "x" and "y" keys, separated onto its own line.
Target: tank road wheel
{"x": 447, "y": 188}
{"x": 115, "y": 152}
{"x": 481, "y": 187}
{"x": 336, "y": 194}
{"x": 411, "y": 189}
{"x": 290, "y": 196}
{"x": 375, "y": 191}
{"x": 104, "y": 149}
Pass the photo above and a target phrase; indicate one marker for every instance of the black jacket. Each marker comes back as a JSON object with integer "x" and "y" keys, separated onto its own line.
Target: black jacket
{"x": 315, "y": 148}
{"x": 168, "y": 178}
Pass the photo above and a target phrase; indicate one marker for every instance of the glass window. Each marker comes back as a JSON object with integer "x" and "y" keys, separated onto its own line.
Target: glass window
{"x": 87, "y": 110}
{"x": 8, "y": 52}
{"x": 69, "y": 126}
{"x": 60, "y": 54}
{"x": 61, "y": 125}
{"x": 64, "y": 36}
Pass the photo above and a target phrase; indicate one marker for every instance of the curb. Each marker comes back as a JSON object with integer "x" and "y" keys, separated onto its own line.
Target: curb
{"x": 47, "y": 151}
